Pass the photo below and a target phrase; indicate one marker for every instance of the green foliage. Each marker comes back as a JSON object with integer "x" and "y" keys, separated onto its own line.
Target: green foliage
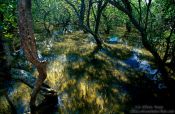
{"x": 9, "y": 24}
{"x": 111, "y": 18}
{"x": 52, "y": 14}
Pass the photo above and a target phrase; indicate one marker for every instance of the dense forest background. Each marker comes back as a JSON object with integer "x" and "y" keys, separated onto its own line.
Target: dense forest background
{"x": 87, "y": 56}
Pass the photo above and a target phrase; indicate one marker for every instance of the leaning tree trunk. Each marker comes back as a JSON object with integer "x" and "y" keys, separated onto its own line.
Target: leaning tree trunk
{"x": 143, "y": 32}
{"x": 29, "y": 46}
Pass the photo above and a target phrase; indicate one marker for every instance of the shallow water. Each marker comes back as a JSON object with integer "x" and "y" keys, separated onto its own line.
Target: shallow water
{"x": 83, "y": 85}
{"x": 142, "y": 65}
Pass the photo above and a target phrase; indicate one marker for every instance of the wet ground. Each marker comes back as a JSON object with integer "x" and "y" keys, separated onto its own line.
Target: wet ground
{"x": 91, "y": 84}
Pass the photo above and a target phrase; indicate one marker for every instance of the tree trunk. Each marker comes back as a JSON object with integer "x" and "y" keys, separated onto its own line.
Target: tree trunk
{"x": 29, "y": 45}
{"x": 159, "y": 62}
{"x": 50, "y": 103}
{"x": 86, "y": 27}
{"x": 28, "y": 79}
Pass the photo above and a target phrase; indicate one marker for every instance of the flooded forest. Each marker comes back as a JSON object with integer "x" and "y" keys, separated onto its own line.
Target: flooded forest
{"x": 87, "y": 56}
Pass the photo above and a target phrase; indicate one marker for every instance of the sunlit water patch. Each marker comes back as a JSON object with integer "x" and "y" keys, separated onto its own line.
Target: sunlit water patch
{"x": 114, "y": 40}
{"x": 141, "y": 65}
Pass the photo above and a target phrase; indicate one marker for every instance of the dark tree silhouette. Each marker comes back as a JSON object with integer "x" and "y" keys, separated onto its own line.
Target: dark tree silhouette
{"x": 125, "y": 6}
{"x": 80, "y": 13}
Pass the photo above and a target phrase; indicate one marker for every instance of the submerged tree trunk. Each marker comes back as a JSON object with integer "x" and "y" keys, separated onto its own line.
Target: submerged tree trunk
{"x": 29, "y": 46}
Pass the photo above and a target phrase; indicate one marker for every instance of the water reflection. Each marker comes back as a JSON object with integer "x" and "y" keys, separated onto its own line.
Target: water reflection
{"x": 136, "y": 62}
{"x": 114, "y": 40}
{"x": 89, "y": 87}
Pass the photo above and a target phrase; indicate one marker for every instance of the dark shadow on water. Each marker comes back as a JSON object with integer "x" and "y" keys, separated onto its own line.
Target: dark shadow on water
{"x": 137, "y": 90}
{"x": 73, "y": 57}
{"x": 140, "y": 89}
{"x": 98, "y": 71}
{"x": 48, "y": 106}
{"x": 144, "y": 92}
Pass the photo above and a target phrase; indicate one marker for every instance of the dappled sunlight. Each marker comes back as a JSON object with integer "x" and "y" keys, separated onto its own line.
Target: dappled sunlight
{"x": 6, "y": 108}
{"x": 120, "y": 51}
{"x": 55, "y": 73}
{"x": 20, "y": 97}
{"x": 83, "y": 85}
{"x": 74, "y": 44}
